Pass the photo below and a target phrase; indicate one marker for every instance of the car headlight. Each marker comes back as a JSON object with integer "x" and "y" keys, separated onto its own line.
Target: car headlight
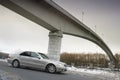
{"x": 61, "y": 65}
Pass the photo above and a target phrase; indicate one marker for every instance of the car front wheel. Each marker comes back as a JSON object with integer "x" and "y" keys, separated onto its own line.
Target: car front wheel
{"x": 51, "y": 68}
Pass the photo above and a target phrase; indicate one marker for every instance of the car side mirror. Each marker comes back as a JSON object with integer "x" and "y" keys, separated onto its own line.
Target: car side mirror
{"x": 38, "y": 57}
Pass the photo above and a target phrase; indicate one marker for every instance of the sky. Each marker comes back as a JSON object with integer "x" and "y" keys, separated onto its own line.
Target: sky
{"x": 102, "y": 16}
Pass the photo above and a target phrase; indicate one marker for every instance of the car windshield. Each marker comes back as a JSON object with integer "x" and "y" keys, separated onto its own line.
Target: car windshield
{"x": 43, "y": 56}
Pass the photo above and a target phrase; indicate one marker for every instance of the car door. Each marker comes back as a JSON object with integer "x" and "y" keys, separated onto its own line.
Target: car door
{"x": 36, "y": 61}
{"x": 25, "y": 58}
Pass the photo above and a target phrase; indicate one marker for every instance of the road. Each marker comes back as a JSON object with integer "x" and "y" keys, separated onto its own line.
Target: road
{"x": 28, "y": 74}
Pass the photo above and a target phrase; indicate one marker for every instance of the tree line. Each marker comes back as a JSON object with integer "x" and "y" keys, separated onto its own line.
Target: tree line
{"x": 87, "y": 59}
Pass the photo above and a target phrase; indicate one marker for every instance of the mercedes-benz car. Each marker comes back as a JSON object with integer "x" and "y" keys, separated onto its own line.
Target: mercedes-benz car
{"x": 36, "y": 60}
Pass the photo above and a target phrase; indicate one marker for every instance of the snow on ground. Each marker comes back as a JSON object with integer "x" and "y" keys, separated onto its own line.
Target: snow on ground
{"x": 96, "y": 74}
{"x": 3, "y": 60}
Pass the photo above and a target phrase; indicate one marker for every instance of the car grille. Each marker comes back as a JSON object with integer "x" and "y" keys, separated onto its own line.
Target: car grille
{"x": 65, "y": 65}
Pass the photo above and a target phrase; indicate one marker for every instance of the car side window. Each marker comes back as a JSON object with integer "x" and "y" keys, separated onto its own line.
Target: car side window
{"x": 25, "y": 54}
{"x": 34, "y": 54}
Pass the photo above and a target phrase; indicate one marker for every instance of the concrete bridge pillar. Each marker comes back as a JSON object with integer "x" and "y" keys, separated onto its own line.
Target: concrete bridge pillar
{"x": 54, "y": 46}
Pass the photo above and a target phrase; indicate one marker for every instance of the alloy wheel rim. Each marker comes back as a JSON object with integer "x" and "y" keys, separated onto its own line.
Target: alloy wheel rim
{"x": 51, "y": 69}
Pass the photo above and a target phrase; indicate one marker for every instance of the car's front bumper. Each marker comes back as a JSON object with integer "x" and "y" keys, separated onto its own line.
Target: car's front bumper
{"x": 61, "y": 69}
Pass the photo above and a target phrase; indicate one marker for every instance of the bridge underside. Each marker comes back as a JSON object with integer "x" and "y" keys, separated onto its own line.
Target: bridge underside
{"x": 54, "y": 18}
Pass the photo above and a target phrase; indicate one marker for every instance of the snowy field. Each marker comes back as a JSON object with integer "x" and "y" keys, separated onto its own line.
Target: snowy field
{"x": 96, "y": 74}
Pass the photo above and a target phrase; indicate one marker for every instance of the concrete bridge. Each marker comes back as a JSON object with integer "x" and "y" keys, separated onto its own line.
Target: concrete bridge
{"x": 58, "y": 21}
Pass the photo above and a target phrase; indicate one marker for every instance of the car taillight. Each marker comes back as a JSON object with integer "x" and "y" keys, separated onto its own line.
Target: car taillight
{"x": 8, "y": 56}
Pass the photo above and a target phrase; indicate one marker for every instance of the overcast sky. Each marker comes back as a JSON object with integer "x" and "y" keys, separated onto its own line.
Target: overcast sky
{"x": 18, "y": 33}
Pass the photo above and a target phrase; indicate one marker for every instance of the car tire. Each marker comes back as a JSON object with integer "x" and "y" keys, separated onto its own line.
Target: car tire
{"x": 51, "y": 68}
{"x": 16, "y": 64}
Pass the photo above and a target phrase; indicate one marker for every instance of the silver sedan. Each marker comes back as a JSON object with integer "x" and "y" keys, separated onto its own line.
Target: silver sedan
{"x": 36, "y": 60}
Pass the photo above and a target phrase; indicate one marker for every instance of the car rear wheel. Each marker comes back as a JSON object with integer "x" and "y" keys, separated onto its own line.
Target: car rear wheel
{"x": 51, "y": 68}
{"x": 16, "y": 63}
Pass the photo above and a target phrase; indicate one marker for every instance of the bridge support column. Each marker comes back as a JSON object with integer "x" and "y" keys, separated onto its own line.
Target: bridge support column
{"x": 54, "y": 46}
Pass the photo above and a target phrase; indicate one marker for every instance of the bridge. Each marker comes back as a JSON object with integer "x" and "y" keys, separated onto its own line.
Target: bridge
{"x": 58, "y": 21}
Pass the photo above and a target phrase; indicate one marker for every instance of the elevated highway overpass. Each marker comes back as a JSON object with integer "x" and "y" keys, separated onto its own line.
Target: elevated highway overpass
{"x": 58, "y": 21}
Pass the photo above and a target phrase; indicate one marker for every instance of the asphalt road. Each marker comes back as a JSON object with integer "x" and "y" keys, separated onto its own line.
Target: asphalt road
{"x": 29, "y": 74}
